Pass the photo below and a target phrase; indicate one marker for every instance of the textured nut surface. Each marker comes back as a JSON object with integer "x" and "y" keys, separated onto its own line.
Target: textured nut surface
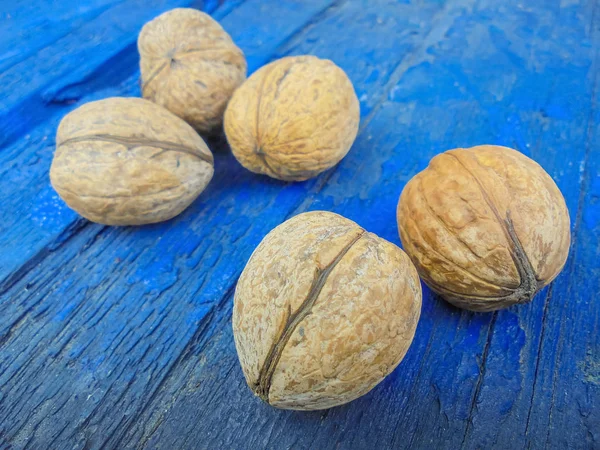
{"x": 127, "y": 161}
{"x": 190, "y": 66}
{"x": 323, "y": 312}
{"x": 293, "y": 118}
{"x": 486, "y": 227}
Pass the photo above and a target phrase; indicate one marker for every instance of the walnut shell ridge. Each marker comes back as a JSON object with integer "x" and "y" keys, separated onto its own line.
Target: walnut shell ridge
{"x": 190, "y": 66}
{"x": 486, "y": 227}
{"x": 323, "y": 311}
{"x": 293, "y": 118}
{"x": 127, "y": 161}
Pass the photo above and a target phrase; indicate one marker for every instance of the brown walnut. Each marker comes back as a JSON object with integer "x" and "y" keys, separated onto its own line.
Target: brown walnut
{"x": 293, "y": 118}
{"x": 127, "y": 161}
{"x": 486, "y": 227}
{"x": 323, "y": 311}
{"x": 190, "y": 66}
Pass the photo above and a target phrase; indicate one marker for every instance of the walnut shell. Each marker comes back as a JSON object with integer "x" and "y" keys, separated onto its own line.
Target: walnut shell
{"x": 323, "y": 311}
{"x": 127, "y": 161}
{"x": 486, "y": 227}
{"x": 190, "y": 66}
{"x": 293, "y": 118}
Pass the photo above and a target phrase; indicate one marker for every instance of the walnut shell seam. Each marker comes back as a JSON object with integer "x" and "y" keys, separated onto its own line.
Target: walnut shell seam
{"x": 258, "y": 150}
{"x": 172, "y": 62}
{"x": 529, "y": 283}
{"x": 263, "y": 385}
{"x": 131, "y": 143}
{"x": 522, "y": 294}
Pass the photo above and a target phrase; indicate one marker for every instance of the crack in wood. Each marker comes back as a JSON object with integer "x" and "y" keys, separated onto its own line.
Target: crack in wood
{"x": 480, "y": 378}
{"x": 134, "y": 142}
{"x": 265, "y": 376}
{"x": 538, "y": 358}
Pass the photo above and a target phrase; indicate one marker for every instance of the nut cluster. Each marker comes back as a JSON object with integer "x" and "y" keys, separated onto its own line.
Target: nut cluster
{"x": 293, "y": 119}
{"x": 323, "y": 310}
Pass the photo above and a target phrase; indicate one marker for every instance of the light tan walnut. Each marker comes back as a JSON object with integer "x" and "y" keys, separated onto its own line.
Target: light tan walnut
{"x": 127, "y": 161}
{"x": 293, "y": 118}
{"x": 190, "y": 66}
{"x": 486, "y": 227}
{"x": 323, "y": 311}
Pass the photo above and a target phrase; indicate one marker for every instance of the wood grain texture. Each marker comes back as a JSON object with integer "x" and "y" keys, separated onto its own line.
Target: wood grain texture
{"x": 123, "y": 337}
{"x": 25, "y": 31}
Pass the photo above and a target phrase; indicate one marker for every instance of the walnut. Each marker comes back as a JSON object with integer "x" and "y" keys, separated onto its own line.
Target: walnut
{"x": 486, "y": 227}
{"x": 127, "y": 161}
{"x": 323, "y": 312}
{"x": 293, "y": 118}
{"x": 190, "y": 66}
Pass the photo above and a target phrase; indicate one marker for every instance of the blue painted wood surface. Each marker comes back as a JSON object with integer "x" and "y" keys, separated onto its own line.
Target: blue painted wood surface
{"x": 122, "y": 336}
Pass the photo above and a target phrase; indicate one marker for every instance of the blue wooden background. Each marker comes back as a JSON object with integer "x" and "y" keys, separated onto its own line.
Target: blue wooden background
{"x": 121, "y": 337}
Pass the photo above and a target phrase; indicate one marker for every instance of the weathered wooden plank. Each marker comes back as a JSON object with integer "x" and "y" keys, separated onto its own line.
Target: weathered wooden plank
{"x": 154, "y": 306}
{"x": 217, "y": 8}
{"x": 556, "y": 124}
{"x": 570, "y": 356}
{"x": 564, "y": 410}
{"x": 24, "y": 30}
{"x": 437, "y": 399}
